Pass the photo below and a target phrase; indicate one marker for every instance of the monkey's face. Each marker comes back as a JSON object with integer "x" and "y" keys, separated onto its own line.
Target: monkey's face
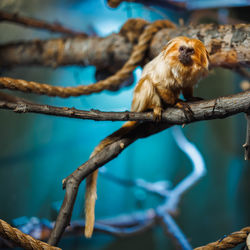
{"x": 186, "y": 52}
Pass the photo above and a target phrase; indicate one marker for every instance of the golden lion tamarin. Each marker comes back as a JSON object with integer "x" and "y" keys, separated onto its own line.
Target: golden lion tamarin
{"x": 179, "y": 66}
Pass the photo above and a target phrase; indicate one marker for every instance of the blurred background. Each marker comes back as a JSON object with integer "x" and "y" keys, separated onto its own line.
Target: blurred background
{"x": 38, "y": 151}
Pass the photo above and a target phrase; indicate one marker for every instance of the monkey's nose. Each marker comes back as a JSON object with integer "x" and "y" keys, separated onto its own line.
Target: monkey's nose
{"x": 185, "y": 59}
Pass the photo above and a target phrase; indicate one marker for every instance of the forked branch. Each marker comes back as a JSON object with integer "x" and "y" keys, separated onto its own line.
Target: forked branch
{"x": 204, "y": 110}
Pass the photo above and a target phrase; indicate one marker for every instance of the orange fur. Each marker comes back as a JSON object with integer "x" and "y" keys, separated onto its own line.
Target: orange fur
{"x": 90, "y": 193}
{"x": 161, "y": 82}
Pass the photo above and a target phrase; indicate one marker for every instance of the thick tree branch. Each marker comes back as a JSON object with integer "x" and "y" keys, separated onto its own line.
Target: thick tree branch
{"x": 246, "y": 146}
{"x": 104, "y": 53}
{"x": 38, "y": 24}
{"x": 227, "y": 45}
{"x": 203, "y": 110}
{"x": 111, "y": 83}
{"x": 218, "y": 108}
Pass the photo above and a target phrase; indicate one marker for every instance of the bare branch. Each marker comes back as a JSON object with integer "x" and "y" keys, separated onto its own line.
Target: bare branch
{"x": 227, "y": 45}
{"x": 203, "y": 110}
{"x": 38, "y": 24}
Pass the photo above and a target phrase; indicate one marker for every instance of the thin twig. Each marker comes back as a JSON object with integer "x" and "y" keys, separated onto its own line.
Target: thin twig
{"x": 38, "y": 24}
{"x": 158, "y": 188}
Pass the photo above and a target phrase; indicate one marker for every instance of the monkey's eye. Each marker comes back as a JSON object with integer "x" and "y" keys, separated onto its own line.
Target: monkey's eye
{"x": 182, "y": 48}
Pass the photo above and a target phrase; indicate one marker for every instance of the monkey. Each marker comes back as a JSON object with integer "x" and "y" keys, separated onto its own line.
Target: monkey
{"x": 177, "y": 68}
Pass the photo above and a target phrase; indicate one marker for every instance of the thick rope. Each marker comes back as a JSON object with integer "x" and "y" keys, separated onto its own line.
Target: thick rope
{"x": 21, "y": 239}
{"x": 110, "y": 83}
{"x": 231, "y": 241}
{"x": 27, "y": 242}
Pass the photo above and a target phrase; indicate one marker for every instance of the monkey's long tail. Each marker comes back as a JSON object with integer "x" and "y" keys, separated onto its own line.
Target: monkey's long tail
{"x": 90, "y": 195}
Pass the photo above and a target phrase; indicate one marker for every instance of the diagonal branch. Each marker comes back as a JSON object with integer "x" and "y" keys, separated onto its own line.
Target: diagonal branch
{"x": 38, "y": 24}
{"x": 213, "y": 109}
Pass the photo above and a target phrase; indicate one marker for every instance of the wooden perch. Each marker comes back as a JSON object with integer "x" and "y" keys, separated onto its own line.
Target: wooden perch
{"x": 203, "y": 110}
{"x": 227, "y": 45}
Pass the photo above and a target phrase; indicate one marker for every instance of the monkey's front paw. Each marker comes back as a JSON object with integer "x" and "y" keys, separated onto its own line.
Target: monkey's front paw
{"x": 189, "y": 114}
{"x": 157, "y": 113}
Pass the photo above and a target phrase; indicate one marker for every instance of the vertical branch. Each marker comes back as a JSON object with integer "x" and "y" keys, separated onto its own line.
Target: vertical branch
{"x": 246, "y": 146}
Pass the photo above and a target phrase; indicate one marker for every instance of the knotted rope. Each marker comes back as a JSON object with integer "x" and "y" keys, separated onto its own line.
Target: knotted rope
{"x": 109, "y": 83}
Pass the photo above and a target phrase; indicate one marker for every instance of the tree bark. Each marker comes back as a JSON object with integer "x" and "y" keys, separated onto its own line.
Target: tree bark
{"x": 227, "y": 45}
{"x": 203, "y": 110}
